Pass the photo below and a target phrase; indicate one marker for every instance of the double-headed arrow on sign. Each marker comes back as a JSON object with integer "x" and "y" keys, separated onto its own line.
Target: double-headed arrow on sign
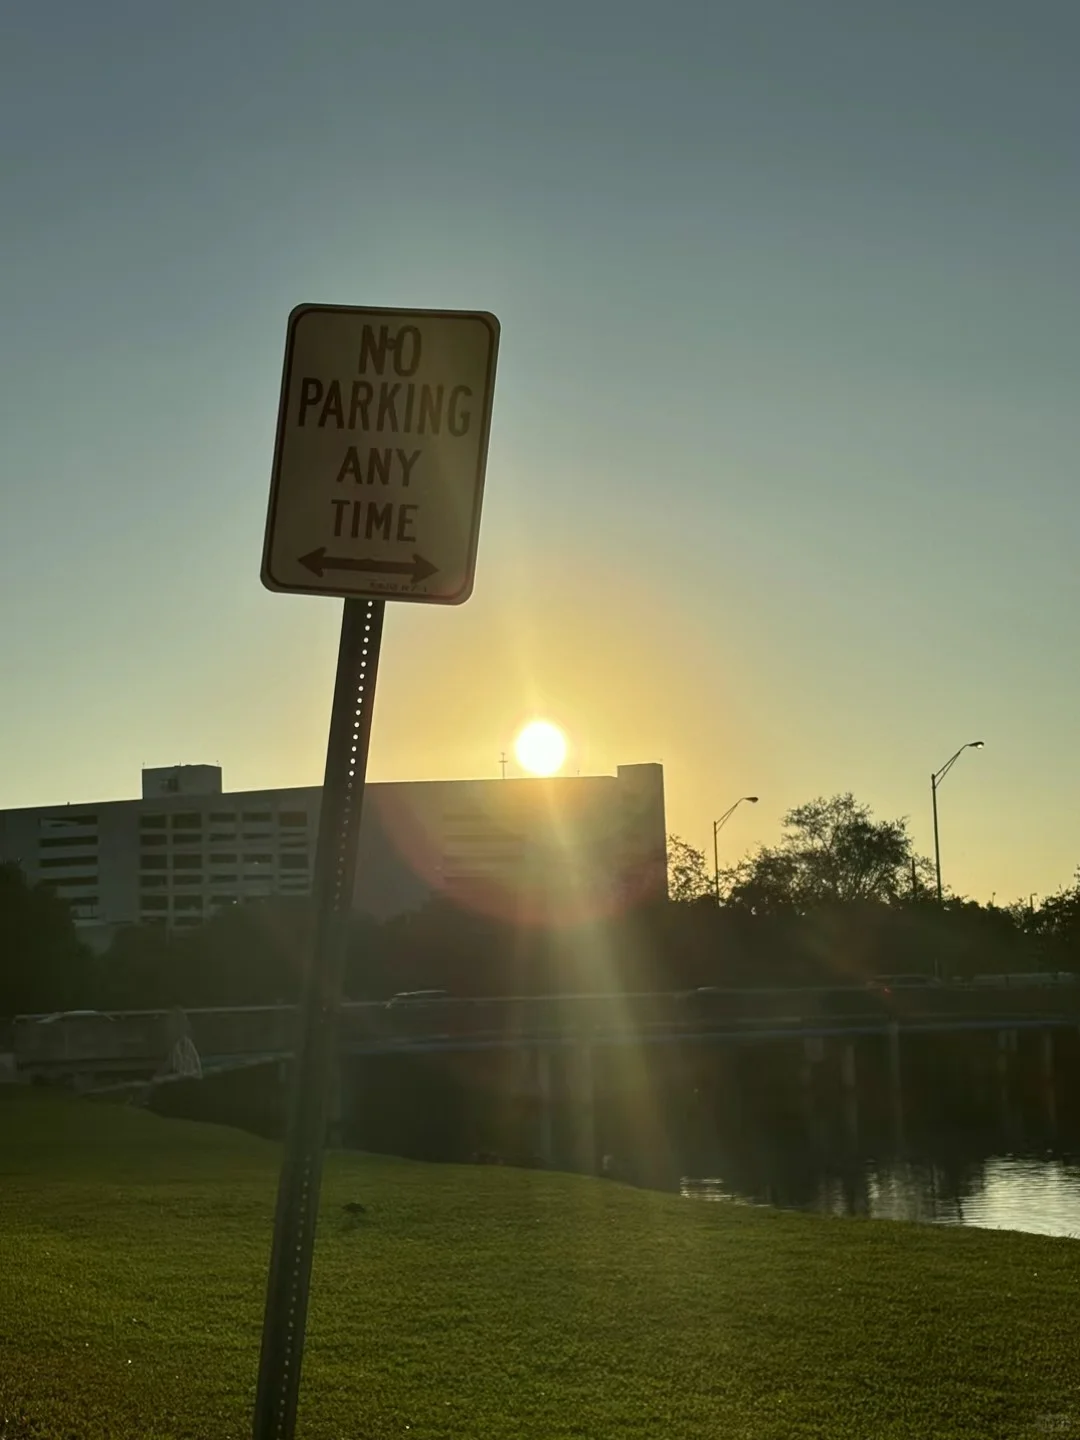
{"x": 417, "y": 568}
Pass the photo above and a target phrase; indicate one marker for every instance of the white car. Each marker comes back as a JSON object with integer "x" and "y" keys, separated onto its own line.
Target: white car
{"x": 74, "y": 1015}
{"x": 417, "y": 997}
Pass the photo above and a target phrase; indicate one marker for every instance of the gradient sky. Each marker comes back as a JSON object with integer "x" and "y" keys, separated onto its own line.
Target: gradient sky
{"x": 782, "y": 484}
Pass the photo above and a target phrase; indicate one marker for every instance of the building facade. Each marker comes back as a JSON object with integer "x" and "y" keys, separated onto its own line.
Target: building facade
{"x": 534, "y": 851}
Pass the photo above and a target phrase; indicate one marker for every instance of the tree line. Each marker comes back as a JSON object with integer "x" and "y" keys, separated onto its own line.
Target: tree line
{"x": 840, "y": 898}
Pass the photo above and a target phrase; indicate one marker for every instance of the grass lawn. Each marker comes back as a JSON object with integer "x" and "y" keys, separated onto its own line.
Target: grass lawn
{"x": 488, "y": 1302}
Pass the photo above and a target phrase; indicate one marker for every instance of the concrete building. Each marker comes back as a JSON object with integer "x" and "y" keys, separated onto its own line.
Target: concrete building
{"x": 538, "y": 851}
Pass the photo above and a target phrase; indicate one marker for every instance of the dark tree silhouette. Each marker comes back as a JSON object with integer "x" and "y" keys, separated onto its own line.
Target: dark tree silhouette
{"x": 688, "y": 876}
{"x": 833, "y": 852}
{"x": 42, "y": 964}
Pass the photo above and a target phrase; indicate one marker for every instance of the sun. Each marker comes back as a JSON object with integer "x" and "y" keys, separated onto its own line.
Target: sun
{"x": 540, "y": 748}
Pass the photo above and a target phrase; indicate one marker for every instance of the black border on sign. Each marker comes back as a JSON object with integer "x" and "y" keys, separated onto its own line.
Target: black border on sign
{"x": 459, "y": 598}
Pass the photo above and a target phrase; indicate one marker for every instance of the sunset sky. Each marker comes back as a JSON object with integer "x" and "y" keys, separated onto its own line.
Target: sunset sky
{"x": 782, "y": 488}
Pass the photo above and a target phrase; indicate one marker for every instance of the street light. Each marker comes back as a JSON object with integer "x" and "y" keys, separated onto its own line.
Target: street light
{"x": 935, "y": 780}
{"x": 717, "y": 826}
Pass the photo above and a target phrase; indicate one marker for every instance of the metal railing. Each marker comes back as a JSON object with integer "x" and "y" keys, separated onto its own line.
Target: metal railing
{"x": 134, "y": 1040}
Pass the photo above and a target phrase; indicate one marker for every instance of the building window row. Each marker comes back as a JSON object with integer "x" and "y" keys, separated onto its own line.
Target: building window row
{"x": 179, "y": 902}
{"x": 291, "y": 819}
{"x": 61, "y": 841}
{"x": 187, "y": 879}
{"x": 66, "y": 862}
{"x": 150, "y": 842}
{"x": 196, "y": 862}
{"x": 192, "y": 820}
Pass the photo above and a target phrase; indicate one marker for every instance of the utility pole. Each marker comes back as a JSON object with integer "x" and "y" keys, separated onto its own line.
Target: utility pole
{"x": 502, "y": 762}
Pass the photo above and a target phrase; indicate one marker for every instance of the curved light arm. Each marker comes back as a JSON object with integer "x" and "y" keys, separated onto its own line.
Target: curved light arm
{"x": 718, "y": 825}
{"x": 939, "y": 775}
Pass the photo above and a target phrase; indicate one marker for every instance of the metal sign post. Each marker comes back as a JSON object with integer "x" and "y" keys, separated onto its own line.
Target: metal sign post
{"x": 301, "y": 1172}
{"x": 376, "y": 491}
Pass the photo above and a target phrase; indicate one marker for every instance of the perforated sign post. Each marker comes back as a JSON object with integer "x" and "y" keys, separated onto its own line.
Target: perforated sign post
{"x": 375, "y": 495}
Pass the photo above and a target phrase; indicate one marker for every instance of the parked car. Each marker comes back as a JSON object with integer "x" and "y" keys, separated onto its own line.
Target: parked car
{"x": 417, "y": 998}
{"x": 73, "y": 1015}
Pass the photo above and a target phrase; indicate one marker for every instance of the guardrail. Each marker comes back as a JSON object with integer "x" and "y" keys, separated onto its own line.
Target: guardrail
{"x": 141, "y": 1041}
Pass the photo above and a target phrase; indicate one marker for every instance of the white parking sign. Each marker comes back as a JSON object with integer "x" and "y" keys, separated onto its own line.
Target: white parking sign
{"x": 381, "y": 448}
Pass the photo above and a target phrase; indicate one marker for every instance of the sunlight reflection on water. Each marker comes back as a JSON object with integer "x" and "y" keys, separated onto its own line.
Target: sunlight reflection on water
{"x": 1040, "y": 1196}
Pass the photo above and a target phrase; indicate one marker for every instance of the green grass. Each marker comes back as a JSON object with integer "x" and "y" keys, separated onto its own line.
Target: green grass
{"x": 497, "y": 1303}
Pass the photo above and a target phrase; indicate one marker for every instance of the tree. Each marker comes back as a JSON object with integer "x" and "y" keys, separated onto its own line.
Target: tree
{"x": 44, "y": 966}
{"x": 833, "y": 852}
{"x": 688, "y": 877}
{"x": 1056, "y": 925}
{"x": 253, "y": 954}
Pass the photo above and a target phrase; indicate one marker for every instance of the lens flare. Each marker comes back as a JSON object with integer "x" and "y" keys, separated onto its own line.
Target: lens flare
{"x": 540, "y": 748}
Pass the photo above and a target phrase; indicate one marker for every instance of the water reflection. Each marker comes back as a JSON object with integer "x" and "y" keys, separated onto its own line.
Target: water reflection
{"x": 958, "y": 1131}
{"x": 1038, "y": 1194}
{"x": 947, "y": 1128}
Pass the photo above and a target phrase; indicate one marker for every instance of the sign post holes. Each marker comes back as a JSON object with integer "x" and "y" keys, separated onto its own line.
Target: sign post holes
{"x": 375, "y": 495}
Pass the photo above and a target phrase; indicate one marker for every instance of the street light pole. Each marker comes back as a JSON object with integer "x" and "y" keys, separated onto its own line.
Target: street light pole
{"x": 935, "y": 780}
{"x": 937, "y": 841}
{"x": 717, "y": 826}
